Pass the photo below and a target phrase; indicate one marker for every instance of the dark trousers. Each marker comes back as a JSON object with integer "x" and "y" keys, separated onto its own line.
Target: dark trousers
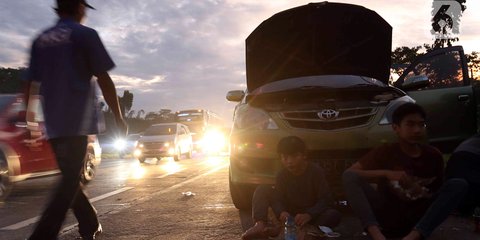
{"x": 466, "y": 165}
{"x": 264, "y": 197}
{"x": 70, "y": 154}
{"x": 395, "y": 217}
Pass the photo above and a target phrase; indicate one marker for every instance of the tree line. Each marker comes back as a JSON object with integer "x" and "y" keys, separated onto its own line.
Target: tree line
{"x": 11, "y": 81}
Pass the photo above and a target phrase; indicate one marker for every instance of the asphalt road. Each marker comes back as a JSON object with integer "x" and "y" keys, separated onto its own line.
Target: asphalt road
{"x": 151, "y": 201}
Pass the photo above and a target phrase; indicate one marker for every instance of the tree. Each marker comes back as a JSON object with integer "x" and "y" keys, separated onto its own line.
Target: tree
{"x": 126, "y": 102}
{"x": 404, "y": 56}
{"x": 473, "y": 60}
{"x": 131, "y": 113}
{"x": 11, "y": 80}
{"x": 140, "y": 113}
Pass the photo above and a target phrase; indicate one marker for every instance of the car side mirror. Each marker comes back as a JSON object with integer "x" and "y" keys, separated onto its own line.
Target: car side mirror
{"x": 415, "y": 82}
{"x": 235, "y": 95}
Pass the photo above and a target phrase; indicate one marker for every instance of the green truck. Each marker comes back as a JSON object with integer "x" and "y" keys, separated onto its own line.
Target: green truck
{"x": 321, "y": 72}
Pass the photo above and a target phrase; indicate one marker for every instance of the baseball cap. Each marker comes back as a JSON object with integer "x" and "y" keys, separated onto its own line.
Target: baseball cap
{"x": 68, "y": 3}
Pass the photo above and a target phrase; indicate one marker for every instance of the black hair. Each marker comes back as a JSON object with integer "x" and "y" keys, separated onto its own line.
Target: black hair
{"x": 291, "y": 145}
{"x": 407, "y": 109}
{"x": 68, "y": 7}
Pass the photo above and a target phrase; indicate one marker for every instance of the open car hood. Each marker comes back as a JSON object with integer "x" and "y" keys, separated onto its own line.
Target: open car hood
{"x": 319, "y": 39}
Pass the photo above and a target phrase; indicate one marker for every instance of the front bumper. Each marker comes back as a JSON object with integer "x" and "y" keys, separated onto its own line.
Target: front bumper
{"x": 254, "y": 159}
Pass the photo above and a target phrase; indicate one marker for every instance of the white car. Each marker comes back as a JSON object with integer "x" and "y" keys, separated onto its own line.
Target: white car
{"x": 164, "y": 140}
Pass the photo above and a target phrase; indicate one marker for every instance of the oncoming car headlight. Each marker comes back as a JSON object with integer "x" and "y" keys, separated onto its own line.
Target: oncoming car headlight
{"x": 254, "y": 118}
{"x": 120, "y": 144}
{"x": 213, "y": 141}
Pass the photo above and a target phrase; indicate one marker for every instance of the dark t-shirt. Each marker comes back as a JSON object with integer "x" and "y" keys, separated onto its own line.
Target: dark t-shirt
{"x": 307, "y": 193}
{"x": 390, "y": 157}
{"x": 64, "y": 58}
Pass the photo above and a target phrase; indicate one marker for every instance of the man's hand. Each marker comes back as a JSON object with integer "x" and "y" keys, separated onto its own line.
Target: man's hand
{"x": 395, "y": 175}
{"x": 283, "y": 216}
{"x": 302, "y": 218}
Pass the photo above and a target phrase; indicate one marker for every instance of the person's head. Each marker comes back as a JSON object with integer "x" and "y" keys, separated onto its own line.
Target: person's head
{"x": 75, "y": 9}
{"x": 292, "y": 151}
{"x": 409, "y": 123}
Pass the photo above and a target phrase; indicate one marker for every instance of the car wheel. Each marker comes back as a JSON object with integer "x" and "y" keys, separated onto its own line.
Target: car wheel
{"x": 141, "y": 159}
{"x": 5, "y": 184}
{"x": 177, "y": 156}
{"x": 189, "y": 153}
{"x": 88, "y": 167}
{"x": 241, "y": 195}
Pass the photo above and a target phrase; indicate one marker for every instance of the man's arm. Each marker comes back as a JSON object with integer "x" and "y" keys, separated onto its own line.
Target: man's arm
{"x": 376, "y": 174}
{"x": 110, "y": 94}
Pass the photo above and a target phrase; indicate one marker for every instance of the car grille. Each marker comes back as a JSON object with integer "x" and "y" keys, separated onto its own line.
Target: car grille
{"x": 347, "y": 118}
{"x": 153, "y": 145}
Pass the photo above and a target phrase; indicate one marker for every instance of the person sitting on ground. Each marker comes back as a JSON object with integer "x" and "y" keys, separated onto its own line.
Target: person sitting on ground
{"x": 300, "y": 191}
{"x": 406, "y": 173}
{"x": 461, "y": 190}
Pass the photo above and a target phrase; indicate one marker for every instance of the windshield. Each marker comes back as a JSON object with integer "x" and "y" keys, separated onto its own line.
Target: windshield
{"x": 161, "y": 130}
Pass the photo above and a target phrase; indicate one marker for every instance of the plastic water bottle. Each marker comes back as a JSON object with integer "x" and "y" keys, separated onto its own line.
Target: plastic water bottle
{"x": 290, "y": 229}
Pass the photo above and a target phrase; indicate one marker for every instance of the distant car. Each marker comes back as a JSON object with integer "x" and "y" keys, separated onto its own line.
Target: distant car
{"x": 164, "y": 140}
{"x": 126, "y": 145}
{"x": 24, "y": 151}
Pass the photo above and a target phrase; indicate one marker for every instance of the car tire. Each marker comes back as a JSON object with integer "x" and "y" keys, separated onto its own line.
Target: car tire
{"x": 177, "y": 156}
{"x": 141, "y": 159}
{"x": 189, "y": 153}
{"x": 241, "y": 195}
{"x": 5, "y": 184}
{"x": 88, "y": 168}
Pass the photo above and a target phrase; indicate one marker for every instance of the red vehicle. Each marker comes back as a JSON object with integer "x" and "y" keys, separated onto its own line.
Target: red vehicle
{"x": 24, "y": 151}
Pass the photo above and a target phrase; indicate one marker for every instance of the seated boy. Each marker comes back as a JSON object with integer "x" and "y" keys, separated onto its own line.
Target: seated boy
{"x": 300, "y": 191}
{"x": 460, "y": 191}
{"x": 407, "y": 174}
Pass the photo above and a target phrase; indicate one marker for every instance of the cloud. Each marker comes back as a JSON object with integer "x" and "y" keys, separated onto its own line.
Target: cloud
{"x": 182, "y": 54}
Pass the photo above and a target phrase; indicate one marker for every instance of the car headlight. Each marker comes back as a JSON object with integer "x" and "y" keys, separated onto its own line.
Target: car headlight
{"x": 139, "y": 145}
{"x": 391, "y": 107}
{"x": 120, "y": 144}
{"x": 254, "y": 118}
{"x": 167, "y": 144}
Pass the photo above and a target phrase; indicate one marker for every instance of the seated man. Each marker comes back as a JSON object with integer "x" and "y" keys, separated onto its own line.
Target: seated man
{"x": 461, "y": 189}
{"x": 300, "y": 191}
{"x": 465, "y": 164}
{"x": 406, "y": 173}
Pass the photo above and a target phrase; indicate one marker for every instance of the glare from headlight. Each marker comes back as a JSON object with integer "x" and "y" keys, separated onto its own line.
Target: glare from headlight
{"x": 166, "y": 144}
{"x": 213, "y": 141}
{"x": 171, "y": 151}
{"x": 137, "y": 153}
{"x": 120, "y": 144}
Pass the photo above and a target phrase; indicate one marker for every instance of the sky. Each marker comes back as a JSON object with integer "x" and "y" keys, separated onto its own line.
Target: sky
{"x": 184, "y": 54}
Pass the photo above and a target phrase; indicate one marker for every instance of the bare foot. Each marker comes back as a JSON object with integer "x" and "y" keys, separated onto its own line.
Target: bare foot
{"x": 413, "y": 235}
{"x": 257, "y": 231}
{"x": 375, "y": 233}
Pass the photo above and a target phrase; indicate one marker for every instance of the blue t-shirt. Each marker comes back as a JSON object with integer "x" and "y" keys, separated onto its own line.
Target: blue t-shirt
{"x": 64, "y": 58}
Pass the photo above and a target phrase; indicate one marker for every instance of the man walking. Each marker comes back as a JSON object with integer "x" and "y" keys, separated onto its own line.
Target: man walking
{"x": 63, "y": 61}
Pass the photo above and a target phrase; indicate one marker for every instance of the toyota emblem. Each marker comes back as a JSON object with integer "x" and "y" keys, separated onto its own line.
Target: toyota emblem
{"x": 328, "y": 114}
